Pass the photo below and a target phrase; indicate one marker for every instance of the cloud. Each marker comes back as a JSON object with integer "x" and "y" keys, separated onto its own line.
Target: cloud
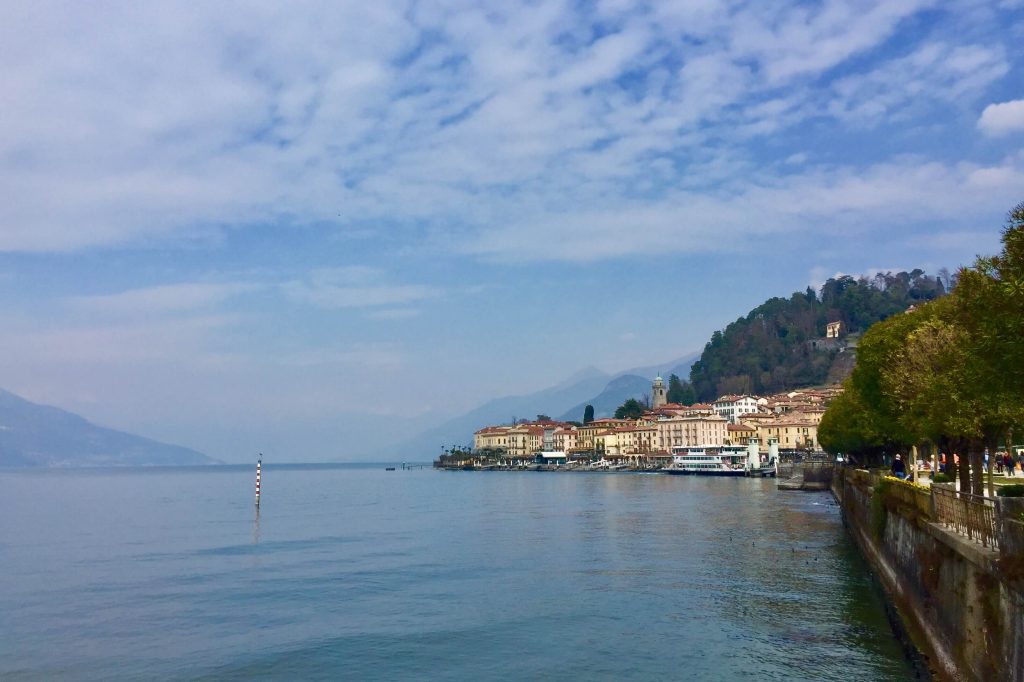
{"x": 933, "y": 72}
{"x": 439, "y": 119}
{"x": 818, "y": 200}
{"x": 127, "y": 343}
{"x": 355, "y": 287}
{"x": 376, "y": 357}
{"x": 1003, "y": 118}
{"x": 159, "y": 300}
{"x": 394, "y": 314}
{"x": 803, "y": 40}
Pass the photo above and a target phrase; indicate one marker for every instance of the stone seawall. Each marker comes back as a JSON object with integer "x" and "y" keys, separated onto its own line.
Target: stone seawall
{"x": 962, "y": 603}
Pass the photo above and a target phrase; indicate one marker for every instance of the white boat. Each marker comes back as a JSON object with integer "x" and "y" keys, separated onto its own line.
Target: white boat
{"x": 718, "y": 460}
{"x": 707, "y": 460}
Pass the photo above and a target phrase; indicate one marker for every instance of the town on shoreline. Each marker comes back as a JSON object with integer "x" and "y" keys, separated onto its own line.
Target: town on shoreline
{"x": 786, "y": 423}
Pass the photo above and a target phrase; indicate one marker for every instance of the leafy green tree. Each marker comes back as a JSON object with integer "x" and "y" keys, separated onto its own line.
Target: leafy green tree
{"x": 854, "y": 429}
{"x": 588, "y": 414}
{"x": 950, "y": 372}
{"x": 631, "y": 409}
{"x": 680, "y": 392}
{"x": 770, "y": 349}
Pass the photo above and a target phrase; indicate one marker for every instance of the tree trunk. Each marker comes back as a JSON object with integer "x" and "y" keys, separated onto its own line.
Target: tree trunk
{"x": 992, "y": 443}
{"x": 962, "y": 469}
{"x": 976, "y": 448}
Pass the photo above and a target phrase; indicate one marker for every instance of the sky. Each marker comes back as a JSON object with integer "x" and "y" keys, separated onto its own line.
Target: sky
{"x": 312, "y": 228}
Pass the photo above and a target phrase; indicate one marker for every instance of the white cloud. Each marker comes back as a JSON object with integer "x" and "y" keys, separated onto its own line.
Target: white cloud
{"x": 157, "y": 300}
{"x": 820, "y": 200}
{"x": 356, "y": 287}
{"x": 1003, "y": 118}
{"x": 394, "y": 314}
{"x": 386, "y": 357}
{"x": 802, "y": 40}
{"x": 196, "y": 121}
{"x": 932, "y": 72}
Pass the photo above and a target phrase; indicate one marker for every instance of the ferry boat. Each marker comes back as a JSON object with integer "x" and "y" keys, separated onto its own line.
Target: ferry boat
{"x": 721, "y": 460}
{"x": 701, "y": 460}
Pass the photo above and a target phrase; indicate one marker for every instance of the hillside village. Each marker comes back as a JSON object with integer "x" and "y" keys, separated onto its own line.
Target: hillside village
{"x": 790, "y": 419}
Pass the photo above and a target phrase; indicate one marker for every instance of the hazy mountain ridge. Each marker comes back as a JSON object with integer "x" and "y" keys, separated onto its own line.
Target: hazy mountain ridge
{"x": 618, "y": 391}
{"x": 564, "y": 400}
{"x": 33, "y": 435}
{"x": 634, "y": 383}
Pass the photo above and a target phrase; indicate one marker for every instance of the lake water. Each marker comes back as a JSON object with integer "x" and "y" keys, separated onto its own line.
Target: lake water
{"x": 354, "y": 572}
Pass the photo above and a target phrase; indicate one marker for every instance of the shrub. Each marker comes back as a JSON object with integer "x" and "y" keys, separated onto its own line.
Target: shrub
{"x": 1015, "y": 490}
{"x": 943, "y": 478}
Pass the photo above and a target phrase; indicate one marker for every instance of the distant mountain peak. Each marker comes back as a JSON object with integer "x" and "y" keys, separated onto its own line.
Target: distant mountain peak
{"x": 585, "y": 374}
{"x": 566, "y": 399}
{"x": 35, "y": 435}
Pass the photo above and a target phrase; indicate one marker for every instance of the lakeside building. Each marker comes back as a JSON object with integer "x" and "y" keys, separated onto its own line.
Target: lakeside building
{"x": 565, "y": 439}
{"x": 740, "y": 434}
{"x": 790, "y": 419}
{"x": 733, "y": 407}
{"x": 792, "y": 431}
{"x": 491, "y": 438}
{"x": 589, "y": 433}
{"x": 683, "y": 431}
{"x": 525, "y": 439}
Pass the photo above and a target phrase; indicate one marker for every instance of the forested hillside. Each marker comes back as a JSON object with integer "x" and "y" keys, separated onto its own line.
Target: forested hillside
{"x": 768, "y": 351}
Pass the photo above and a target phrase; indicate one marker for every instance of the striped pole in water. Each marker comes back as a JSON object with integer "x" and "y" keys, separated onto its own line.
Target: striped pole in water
{"x": 259, "y": 464}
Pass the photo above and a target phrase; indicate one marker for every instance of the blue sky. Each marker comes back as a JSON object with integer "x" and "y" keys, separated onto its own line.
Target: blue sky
{"x": 245, "y": 226}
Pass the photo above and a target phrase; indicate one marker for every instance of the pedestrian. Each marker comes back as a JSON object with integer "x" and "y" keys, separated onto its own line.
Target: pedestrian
{"x": 1021, "y": 461}
{"x": 899, "y": 470}
{"x": 1008, "y": 464}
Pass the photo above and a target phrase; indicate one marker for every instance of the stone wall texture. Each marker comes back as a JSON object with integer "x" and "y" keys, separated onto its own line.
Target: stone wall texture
{"x": 963, "y": 604}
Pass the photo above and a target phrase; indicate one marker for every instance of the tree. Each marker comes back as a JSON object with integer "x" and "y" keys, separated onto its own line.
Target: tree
{"x": 863, "y": 421}
{"x": 543, "y": 418}
{"x": 680, "y": 392}
{"x": 588, "y": 414}
{"x": 850, "y": 427}
{"x": 951, "y": 372}
{"x": 769, "y": 350}
{"x": 631, "y": 409}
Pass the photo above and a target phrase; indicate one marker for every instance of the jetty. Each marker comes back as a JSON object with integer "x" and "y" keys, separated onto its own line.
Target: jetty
{"x": 809, "y": 475}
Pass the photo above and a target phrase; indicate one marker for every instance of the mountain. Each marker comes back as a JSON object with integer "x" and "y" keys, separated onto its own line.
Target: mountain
{"x": 619, "y": 390}
{"x": 459, "y": 431}
{"x": 633, "y": 383}
{"x": 566, "y": 399}
{"x": 34, "y": 435}
{"x": 779, "y": 345}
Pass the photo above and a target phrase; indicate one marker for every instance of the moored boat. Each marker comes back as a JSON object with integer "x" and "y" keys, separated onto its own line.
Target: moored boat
{"x": 722, "y": 460}
{"x": 706, "y": 460}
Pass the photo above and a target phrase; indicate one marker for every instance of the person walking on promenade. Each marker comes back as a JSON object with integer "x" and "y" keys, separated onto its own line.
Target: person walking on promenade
{"x": 1008, "y": 464}
{"x": 899, "y": 470}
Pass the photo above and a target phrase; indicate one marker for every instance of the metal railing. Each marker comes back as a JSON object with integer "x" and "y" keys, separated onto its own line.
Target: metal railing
{"x": 972, "y": 515}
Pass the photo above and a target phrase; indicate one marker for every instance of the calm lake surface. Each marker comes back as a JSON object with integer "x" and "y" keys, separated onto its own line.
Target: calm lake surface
{"x": 353, "y": 572}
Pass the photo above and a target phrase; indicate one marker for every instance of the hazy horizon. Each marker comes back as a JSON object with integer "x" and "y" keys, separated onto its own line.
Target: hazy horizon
{"x": 255, "y": 228}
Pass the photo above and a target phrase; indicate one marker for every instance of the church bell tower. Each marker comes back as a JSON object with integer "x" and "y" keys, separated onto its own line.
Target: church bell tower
{"x": 658, "y": 394}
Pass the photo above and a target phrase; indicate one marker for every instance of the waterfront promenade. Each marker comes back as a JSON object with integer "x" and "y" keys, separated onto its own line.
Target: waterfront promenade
{"x": 953, "y": 565}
